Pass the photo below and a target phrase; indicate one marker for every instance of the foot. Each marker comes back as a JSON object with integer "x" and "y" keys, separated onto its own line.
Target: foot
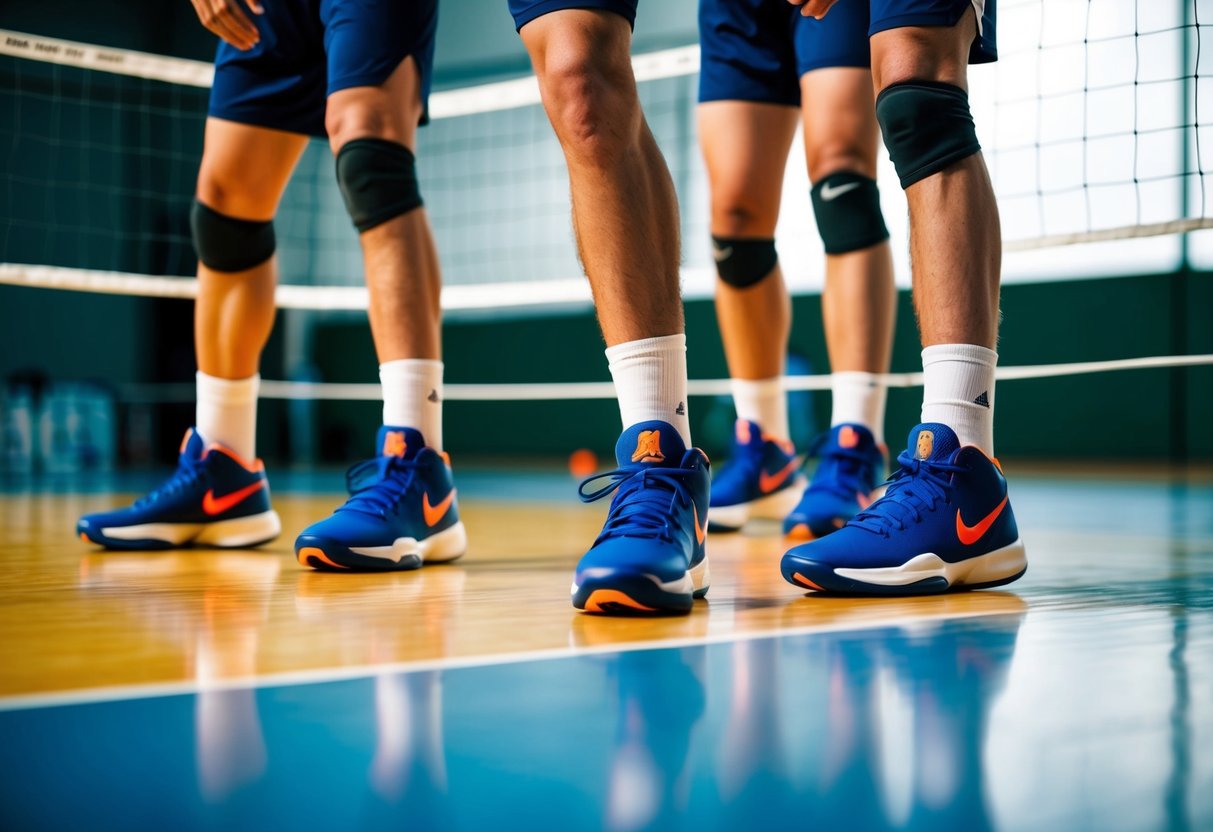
{"x": 759, "y": 481}
{"x": 650, "y": 556}
{"x": 401, "y": 512}
{"x": 851, "y": 465}
{"x": 944, "y": 523}
{"x": 213, "y": 499}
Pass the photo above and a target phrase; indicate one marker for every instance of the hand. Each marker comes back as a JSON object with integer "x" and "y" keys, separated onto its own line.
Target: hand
{"x": 813, "y": 8}
{"x": 229, "y": 20}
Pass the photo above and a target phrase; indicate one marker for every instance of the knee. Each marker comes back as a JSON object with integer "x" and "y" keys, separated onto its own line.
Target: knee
{"x": 927, "y": 127}
{"x": 344, "y": 124}
{"x": 592, "y": 103}
{"x": 734, "y": 214}
{"x": 828, "y": 158}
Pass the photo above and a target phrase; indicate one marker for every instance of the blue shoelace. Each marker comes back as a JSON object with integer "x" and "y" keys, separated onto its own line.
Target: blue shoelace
{"x": 842, "y": 471}
{"x": 377, "y": 485}
{"x": 185, "y": 477}
{"x": 744, "y": 464}
{"x": 646, "y": 499}
{"x": 915, "y": 488}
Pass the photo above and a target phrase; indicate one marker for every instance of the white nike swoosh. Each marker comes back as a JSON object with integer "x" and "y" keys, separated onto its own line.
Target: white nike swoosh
{"x": 721, "y": 254}
{"x": 829, "y": 194}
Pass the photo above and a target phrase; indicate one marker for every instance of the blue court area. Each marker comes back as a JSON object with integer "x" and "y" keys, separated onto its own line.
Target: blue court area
{"x": 1094, "y": 718}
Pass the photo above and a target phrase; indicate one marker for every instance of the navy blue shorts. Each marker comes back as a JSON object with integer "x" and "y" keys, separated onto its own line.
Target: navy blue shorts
{"x": 310, "y": 49}
{"x": 757, "y": 50}
{"x": 524, "y": 11}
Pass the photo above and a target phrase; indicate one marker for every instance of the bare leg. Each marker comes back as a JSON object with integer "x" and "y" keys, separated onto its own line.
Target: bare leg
{"x": 624, "y": 209}
{"x": 745, "y": 146}
{"x": 401, "y": 261}
{"x": 243, "y": 174}
{"x": 859, "y": 302}
{"x": 955, "y": 238}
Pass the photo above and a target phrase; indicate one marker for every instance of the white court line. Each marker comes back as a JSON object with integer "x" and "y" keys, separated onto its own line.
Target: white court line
{"x": 123, "y": 693}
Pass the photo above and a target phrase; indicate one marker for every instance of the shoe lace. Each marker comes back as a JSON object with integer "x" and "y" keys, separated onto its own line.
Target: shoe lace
{"x": 377, "y": 485}
{"x": 644, "y": 503}
{"x": 913, "y": 489}
{"x": 842, "y": 471}
{"x": 185, "y": 477}
{"x": 744, "y": 464}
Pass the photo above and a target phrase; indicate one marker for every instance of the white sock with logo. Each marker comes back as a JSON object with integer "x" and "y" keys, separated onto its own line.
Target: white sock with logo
{"x": 412, "y": 397}
{"x": 859, "y": 399}
{"x": 226, "y": 413}
{"x": 762, "y": 401}
{"x": 958, "y": 391}
{"x": 651, "y": 381}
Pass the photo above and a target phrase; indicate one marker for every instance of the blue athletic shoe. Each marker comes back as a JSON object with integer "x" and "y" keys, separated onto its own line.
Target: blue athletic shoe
{"x": 851, "y": 465}
{"x": 944, "y": 523}
{"x": 759, "y": 481}
{"x": 401, "y": 512}
{"x": 650, "y": 556}
{"x": 213, "y": 499}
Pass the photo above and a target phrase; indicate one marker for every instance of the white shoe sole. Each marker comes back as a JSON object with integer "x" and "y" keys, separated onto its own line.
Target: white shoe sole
{"x": 998, "y": 566}
{"x": 772, "y": 507}
{"x": 446, "y": 545}
{"x": 227, "y": 534}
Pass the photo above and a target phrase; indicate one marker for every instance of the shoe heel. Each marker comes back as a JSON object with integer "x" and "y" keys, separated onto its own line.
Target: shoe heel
{"x": 241, "y": 532}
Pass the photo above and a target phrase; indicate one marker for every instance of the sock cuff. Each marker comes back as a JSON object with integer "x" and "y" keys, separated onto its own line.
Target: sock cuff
{"x": 757, "y": 386}
{"x": 855, "y": 378}
{"x": 968, "y": 353}
{"x": 647, "y": 346}
{"x": 231, "y": 390}
{"x": 403, "y": 364}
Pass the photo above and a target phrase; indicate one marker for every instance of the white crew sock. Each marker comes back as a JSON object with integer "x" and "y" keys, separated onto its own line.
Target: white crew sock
{"x": 859, "y": 399}
{"x": 764, "y": 402}
{"x": 651, "y": 381}
{"x": 958, "y": 391}
{"x": 412, "y": 397}
{"x": 227, "y": 412}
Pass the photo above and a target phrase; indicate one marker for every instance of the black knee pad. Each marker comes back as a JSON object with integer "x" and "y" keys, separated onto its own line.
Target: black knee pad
{"x": 927, "y": 126}
{"x": 743, "y": 263}
{"x": 227, "y": 244}
{"x": 378, "y": 180}
{"x": 847, "y": 208}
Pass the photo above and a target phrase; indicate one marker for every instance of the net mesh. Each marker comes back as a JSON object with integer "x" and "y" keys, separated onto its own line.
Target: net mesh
{"x": 1091, "y": 123}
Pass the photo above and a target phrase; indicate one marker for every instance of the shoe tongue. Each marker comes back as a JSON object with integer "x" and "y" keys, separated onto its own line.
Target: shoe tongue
{"x": 747, "y": 433}
{"x": 192, "y": 446}
{"x": 650, "y": 443}
{"x": 933, "y": 442}
{"x": 404, "y": 443}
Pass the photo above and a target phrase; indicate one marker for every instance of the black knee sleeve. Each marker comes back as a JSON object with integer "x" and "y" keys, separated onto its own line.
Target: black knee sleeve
{"x": 378, "y": 181}
{"x": 847, "y": 208}
{"x": 927, "y": 126}
{"x": 743, "y": 263}
{"x": 227, "y": 244}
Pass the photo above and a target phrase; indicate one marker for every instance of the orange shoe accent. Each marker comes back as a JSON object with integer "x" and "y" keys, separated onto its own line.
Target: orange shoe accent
{"x": 864, "y": 500}
{"x": 648, "y": 447}
{"x": 312, "y": 552}
{"x": 969, "y": 535}
{"x": 445, "y": 458}
{"x": 394, "y": 444}
{"x": 435, "y": 513}
{"x": 185, "y": 441}
{"x": 799, "y": 532}
{"x": 801, "y": 579}
{"x": 848, "y": 437}
{"x": 742, "y": 430}
{"x": 925, "y": 444}
{"x": 84, "y": 537}
{"x": 769, "y": 482}
{"x": 213, "y": 505}
{"x": 701, "y": 532}
{"x": 600, "y": 597}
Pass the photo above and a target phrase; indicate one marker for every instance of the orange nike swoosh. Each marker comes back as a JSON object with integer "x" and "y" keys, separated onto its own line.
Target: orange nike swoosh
{"x": 213, "y": 505}
{"x": 769, "y": 482}
{"x": 435, "y": 513}
{"x": 701, "y": 532}
{"x": 971, "y": 534}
